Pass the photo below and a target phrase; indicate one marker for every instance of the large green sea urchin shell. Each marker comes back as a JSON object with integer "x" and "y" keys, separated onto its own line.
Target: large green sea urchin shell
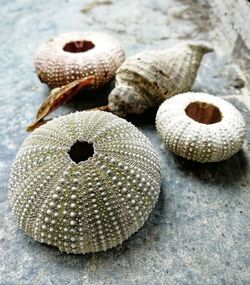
{"x": 91, "y": 205}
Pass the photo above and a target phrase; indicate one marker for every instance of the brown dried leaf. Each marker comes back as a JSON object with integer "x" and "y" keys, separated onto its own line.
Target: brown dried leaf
{"x": 101, "y": 108}
{"x": 36, "y": 124}
{"x": 58, "y": 97}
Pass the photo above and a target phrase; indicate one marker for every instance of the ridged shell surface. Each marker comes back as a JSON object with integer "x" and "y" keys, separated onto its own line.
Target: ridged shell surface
{"x": 88, "y": 206}
{"x": 148, "y": 78}
{"x": 58, "y": 67}
{"x": 219, "y": 137}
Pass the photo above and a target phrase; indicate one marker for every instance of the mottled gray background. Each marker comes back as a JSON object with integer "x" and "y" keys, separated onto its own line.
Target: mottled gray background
{"x": 199, "y": 232}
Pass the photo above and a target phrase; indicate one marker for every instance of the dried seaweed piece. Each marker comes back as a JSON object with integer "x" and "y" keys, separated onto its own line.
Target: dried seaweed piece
{"x": 58, "y": 97}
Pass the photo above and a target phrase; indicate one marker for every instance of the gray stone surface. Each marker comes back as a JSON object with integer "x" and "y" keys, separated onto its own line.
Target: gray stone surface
{"x": 199, "y": 232}
{"x": 234, "y": 16}
{"x": 233, "y": 30}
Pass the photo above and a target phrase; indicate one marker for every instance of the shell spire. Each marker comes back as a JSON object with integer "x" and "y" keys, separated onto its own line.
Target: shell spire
{"x": 148, "y": 78}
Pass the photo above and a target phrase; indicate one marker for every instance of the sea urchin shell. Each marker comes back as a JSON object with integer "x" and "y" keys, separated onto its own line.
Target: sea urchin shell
{"x": 84, "y": 182}
{"x": 200, "y": 127}
{"x": 76, "y": 55}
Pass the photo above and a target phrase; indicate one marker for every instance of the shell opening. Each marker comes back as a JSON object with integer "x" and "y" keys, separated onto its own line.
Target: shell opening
{"x": 203, "y": 113}
{"x": 81, "y": 151}
{"x": 78, "y": 46}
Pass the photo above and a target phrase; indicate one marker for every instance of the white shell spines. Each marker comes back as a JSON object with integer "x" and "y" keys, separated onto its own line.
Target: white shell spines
{"x": 95, "y": 204}
{"x": 199, "y": 141}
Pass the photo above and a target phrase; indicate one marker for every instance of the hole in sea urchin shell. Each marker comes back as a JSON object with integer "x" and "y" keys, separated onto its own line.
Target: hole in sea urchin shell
{"x": 78, "y": 46}
{"x": 203, "y": 113}
{"x": 81, "y": 151}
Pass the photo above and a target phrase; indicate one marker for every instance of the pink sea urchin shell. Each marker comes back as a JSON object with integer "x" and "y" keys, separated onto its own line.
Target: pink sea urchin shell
{"x": 75, "y": 55}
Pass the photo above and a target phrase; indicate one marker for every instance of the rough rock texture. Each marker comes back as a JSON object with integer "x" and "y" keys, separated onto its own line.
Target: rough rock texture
{"x": 199, "y": 231}
{"x": 234, "y": 19}
{"x": 233, "y": 30}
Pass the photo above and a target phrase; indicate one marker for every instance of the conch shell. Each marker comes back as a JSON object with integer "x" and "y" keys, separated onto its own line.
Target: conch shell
{"x": 148, "y": 78}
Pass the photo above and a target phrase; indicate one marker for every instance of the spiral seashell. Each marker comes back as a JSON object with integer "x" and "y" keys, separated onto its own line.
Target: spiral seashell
{"x": 76, "y": 55}
{"x": 84, "y": 182}
{"x": 148, "y": 78}
{"x": 200, "y": 127}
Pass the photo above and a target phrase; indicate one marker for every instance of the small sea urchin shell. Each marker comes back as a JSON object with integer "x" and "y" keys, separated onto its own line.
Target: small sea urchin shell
{"x": 76, "y": 55}
{"x": 63, "y": 196}
{"x": 201, "y": 127}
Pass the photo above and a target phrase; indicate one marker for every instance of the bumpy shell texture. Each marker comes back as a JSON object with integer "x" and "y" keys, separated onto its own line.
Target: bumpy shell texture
{"x": 148, "y": 78}
{"x": 91, "y": 205}
{"x": 200, "y": 127}
{"x": 76, "y": 55}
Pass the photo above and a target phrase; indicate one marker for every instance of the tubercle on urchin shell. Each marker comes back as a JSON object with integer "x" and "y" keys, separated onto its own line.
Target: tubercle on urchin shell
{"x": 93, "y": 205}
{"x": 205, "y": 141}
